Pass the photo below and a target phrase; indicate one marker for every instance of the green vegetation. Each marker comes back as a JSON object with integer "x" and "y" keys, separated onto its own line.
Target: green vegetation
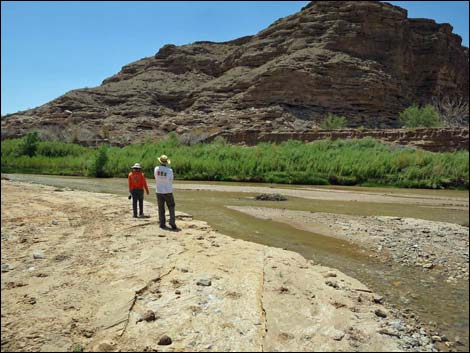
{"x": 333, "y": 122}
{"x": 99, "y": 163}
{"x": 415, "y": 116}
{"x": 29, "y": 144}
{"x": 343, "y": 162}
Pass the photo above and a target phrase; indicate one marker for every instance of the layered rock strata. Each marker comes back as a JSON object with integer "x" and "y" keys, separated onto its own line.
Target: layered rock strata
{"x": 365, "y": 60}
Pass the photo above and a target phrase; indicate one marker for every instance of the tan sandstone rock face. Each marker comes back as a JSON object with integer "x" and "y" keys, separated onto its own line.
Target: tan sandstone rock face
{"x": 362, "y": 59}
{"x": 108, "y": 282}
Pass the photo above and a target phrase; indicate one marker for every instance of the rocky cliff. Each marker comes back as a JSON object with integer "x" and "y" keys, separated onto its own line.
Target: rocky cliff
{"x": 364, "y": 60}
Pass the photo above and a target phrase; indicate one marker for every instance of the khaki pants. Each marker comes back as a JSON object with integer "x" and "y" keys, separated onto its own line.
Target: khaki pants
{"x": 170, "y": 202}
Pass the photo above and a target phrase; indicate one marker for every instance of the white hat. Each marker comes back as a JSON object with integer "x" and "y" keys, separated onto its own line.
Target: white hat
{"x": 136, "y": 166}
{"x": 164, "y": 159}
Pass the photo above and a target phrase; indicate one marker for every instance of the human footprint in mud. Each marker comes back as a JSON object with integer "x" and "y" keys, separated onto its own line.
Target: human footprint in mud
{"x": 137, "y": 184}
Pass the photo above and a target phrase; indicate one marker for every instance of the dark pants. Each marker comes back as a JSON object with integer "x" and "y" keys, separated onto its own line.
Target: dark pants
{"x": 137, "y": 195}
{"x": 170, "y": 202}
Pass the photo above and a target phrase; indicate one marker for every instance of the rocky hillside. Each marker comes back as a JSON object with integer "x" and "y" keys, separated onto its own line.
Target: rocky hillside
{"x": 364, "y": 60}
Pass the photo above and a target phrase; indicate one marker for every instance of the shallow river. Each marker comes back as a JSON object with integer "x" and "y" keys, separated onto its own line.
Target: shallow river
{"x": 424, "y": 293}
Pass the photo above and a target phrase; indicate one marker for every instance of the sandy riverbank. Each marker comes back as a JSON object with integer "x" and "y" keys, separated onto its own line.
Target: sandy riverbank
{"x": 434, "y": 246}
{"x": 424, "y": 200}
{"x": 79, "y": 271}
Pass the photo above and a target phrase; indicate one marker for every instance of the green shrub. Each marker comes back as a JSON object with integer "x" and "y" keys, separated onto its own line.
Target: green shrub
{"x": 414, "y": 116}
{"x": 29, "y": 144}
{"x": 99, "y": 162}
{"x": 333, "y": 122}
{"x": 343, "y": 162}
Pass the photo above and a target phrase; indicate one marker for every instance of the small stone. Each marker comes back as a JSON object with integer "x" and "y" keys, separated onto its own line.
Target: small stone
{"x": 38, "y": 255}
{"x": 148, "y": 316}
{"x": 330, "y": 274}
{"x": 87, "y": 333}
{"x": 204, "y": 282}
{"x": 338, "y": 336}
{"x": 5, "y": 268}
{"x": 428, "y": 265}
{"x": 387, "y": 332}
{"x": 436, "y": 338}
{"x": 177, "y": 292}
{"x": 54, "y": 222}
{"x": 164, "y": 341}
{"x": 105, "y": 347}
{"x": 184, "y": 269}
{"x": 380, "y": 312}
{"x": 333, "y": 284}
{"x": 378, "y": 299}
{"x": 397, "y": 325}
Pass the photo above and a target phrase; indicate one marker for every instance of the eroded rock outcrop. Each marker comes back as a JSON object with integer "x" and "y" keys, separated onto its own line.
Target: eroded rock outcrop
{"x": 364, "y": 60}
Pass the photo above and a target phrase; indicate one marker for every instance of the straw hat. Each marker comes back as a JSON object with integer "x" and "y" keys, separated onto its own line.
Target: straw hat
{"x": 164, "y": 159}
{"x": 136, "y": 166}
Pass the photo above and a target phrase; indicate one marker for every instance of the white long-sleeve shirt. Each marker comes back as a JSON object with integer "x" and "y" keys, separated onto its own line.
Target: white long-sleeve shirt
{"x": 163, "y": 179}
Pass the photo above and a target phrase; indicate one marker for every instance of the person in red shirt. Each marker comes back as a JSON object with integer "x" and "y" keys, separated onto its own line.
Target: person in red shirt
{"x": 137, "y": 184}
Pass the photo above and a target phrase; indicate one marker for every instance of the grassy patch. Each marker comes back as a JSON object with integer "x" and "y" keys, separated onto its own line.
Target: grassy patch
{"x": 340, "y": 162}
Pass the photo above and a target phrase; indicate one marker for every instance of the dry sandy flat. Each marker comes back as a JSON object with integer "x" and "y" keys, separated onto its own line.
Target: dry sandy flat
{"x": 79, "y": 272}
{"x": 457, "y": 203}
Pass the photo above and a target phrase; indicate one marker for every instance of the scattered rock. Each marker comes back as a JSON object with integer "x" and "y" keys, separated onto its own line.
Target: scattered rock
{"x": 337, "y": 335}
{"x": 148, "y": 316}
{"x": 164, "y": 341}
{"x": 388, "y": 332}
{"x": 87, "y": 333}
{"x": 105, "y": 347}
{"x": 38, "y": 255}
{"x": 204, "y": 282}
{"x": 5, "y": 267}
{"x": 331, "y": 283}
{"x": 285, "y": 336}
{"x": 271, "y": 197}
{"x": 377, "y": 299}
{"x": 177, "y": 292}
{"x": 60, "y": 257}
{"x": 54, "y": 222}
{"x": 381, "y": 312}
{"x": 330, "y": 274}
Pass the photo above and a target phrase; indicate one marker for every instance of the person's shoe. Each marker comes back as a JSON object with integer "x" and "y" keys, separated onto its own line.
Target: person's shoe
{"x": 141, "y": 216}
{"x": 174, "y": 227}
{"x": 162, "y": 226}
{"x": 134, "y": 216}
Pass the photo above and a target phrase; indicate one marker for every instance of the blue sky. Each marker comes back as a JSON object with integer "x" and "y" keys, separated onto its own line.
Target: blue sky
{"x": 49, "y": 48}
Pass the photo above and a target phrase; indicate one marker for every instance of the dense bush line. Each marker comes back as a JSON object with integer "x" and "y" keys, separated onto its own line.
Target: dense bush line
{"x": 343, "y": 162}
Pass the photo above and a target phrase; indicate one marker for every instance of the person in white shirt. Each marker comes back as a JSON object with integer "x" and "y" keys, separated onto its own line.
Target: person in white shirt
{"x": 164, "y": 187}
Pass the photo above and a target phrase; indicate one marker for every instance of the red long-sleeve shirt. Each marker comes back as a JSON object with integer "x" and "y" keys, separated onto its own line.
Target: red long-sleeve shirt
{"x": 136, "y": 180}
